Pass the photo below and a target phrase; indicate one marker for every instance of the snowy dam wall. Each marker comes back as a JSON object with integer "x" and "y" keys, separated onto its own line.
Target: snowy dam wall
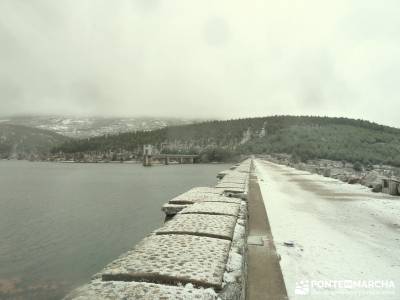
{"x": 199, "y": 253}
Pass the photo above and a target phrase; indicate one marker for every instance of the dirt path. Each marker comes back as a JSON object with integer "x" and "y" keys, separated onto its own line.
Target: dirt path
{"x": 265, "y": 280}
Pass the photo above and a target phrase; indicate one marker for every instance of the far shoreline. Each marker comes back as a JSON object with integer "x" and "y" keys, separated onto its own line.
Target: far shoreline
{"x": 131, "y": 162}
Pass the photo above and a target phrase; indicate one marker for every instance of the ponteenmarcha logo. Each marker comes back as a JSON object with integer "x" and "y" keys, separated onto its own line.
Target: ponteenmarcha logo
{"x": 302, "y": 287}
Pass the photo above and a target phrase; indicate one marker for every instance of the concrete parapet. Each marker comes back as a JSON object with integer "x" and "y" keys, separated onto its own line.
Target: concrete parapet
{"x": 200, "y": 253}
{"x": 230, "y": 185}
{"x": 235, "y": 276}
{"x": 173, "y": 259}
{"x": 222, "y": 174}
{"x": 231, "y": 189}
{"x": 212, "y": 208}
{"x": 107, "y": 290}
{"x": 204, "y": 189}
{"x": 191, "y": 198}
{"x": 216, "y": 226}
{"x": 171, "y": 209}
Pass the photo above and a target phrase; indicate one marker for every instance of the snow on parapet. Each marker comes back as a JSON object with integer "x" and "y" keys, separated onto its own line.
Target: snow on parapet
{"x": 205, "y": 190}
{"x": 216, "y": 226}
{"x": 193, "y": 197}
{"x": 106, "y": 290}
{"x": 212, "y": 208}
{"x": 172, "y": 259}
{"x": 188, "y": 199}
{"x": 231, "y": 189}
{"x": 199, "y": 254}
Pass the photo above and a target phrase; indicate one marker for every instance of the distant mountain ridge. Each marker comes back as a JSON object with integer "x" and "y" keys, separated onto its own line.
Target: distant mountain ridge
{"x": 22, "y": 142}
{"x": 303, "y": 137}
{"x": 84, "y": 127}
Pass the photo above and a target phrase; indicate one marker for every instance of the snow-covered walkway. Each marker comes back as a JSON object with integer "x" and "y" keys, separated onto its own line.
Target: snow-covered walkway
{"x": 346, "y": 238}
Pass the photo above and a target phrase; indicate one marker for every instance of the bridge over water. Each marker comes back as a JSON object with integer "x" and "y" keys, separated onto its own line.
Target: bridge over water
{"x": 166, "y": 159}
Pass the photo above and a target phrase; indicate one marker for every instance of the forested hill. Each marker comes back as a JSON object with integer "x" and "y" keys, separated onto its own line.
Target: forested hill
{"x": 304, "y": 137}
{"x": 23, "y": 142}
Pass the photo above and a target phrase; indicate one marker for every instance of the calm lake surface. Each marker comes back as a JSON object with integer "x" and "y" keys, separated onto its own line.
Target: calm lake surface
{"x": 61, "y": 223}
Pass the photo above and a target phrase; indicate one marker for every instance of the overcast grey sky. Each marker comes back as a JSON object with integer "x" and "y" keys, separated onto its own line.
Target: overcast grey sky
{"x": 205, "y": 59}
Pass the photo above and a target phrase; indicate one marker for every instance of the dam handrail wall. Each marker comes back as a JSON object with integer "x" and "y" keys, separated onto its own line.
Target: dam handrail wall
{"x": 200, "y": 252}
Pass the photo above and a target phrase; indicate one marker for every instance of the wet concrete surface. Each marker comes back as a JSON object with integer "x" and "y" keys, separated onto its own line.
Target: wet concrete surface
{"x": 265, "y": 280}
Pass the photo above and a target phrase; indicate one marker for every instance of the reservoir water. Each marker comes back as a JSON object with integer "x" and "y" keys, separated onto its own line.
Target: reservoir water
{"x": 61, "y": 223}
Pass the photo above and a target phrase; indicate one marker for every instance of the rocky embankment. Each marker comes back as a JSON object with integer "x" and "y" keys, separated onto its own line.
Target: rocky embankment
{"x": 199, "y": 253}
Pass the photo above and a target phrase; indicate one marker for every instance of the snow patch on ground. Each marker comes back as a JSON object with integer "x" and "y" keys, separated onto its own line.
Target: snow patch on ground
{"x": 340, "y": 232}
